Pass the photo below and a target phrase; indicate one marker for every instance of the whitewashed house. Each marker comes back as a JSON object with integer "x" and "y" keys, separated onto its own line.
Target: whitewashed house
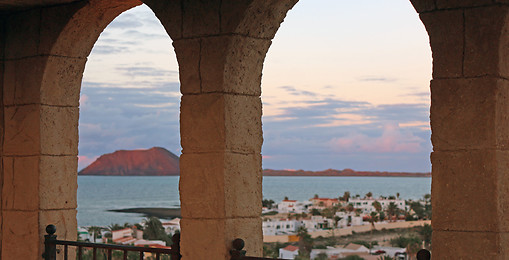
{"x": 289, "y": 252}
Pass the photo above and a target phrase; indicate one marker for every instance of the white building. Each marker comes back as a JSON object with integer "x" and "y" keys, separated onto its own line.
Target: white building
{"x": 349, "y": 219}
{"x": 367, "y": 204}
{"x": 341, "y": 252}
{"x": 293, "y": 206}
{"x": 171, "y": 227}
{"x": 289, "y": 252}
{"x": 273, "y": 227}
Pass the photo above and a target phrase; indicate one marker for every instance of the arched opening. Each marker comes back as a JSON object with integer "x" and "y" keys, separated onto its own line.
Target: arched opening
{"x": 129, "y": 101}
{"x": 346, "y": 87}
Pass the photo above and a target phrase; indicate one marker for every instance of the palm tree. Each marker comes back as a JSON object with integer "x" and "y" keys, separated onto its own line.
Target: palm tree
{"x": 96, "y": 232}
{"x": 377, "y": 206}
{"x": 346, "y": 196}
{"x": 373, "y": 218}
{"x": 392, "y": 210}
{"x": 369, "y": 195}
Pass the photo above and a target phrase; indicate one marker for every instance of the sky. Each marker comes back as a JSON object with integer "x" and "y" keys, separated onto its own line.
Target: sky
{"x": 345, "y": 85}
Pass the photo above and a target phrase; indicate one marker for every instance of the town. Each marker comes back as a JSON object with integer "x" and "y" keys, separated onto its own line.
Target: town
{"x": 290, "y": 224}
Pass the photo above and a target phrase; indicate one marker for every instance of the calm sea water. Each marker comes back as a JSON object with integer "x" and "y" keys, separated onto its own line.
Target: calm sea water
{"x": 97, "y": 194}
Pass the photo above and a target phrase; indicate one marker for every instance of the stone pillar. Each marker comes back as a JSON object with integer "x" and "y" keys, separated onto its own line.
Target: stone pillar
{"x": 470, "y": 128}
{"x": 2, "y": 49}
{"x": 220, "y": 47}
{"x": 45, "y": 55}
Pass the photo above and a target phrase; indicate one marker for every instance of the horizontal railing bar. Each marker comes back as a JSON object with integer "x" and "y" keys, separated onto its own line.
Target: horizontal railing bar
{"x": 110, "y": 246}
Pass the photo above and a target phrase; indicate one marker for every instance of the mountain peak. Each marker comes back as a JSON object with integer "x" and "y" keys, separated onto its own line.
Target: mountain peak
{"x": 155, "y": 161}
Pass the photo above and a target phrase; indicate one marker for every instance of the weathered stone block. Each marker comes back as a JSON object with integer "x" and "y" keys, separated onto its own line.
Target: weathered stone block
{"x": 248, "y": 229}
{"x": 19, "y": 228}
{"x": 63, "y": 219}
{"x": 214, "y": 237}
{"x": 62, "y": 81}
{"x": 485, "y": 43}
{"x": 218, "y": 185}
{"x": 22, "y": 130}
{"x": 258, "y": 19}
{"x": 170, "y": 15}
{"x": 446, "y": 32}
{"x": 469, "y": 190}
{"x": 21, "y": 183}
{"x": 206, "y": 234}
{"x": 188, "y": 56}
{"x": 233, "y": 64}
{"x": 59, "y": 130}
{"x": 215, "y": 122}
{"x": 200, "y": 18}
{"x": 469, "y": 245}
{"x": 470, "y": 114}
{"x": 20, "y": 89}
{"x": 424, "y": 5}
{"x": 449, "y": 4}
{"x": 58, "y": 182}
{"x": 22, "y": 34}
{"x": 52, "y": 81}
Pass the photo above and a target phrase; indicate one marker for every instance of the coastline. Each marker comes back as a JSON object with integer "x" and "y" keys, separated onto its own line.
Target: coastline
{"x": 163, "y": 213}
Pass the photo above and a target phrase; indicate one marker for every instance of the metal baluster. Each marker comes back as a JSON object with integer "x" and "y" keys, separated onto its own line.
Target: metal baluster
{"x": 141, "y": 255}
{"x": 50, "y": 248}
{"x": 125, "y": 254}
{"x": 175, "y": 247}
{"x": 94, "y": 251}
{"x": 109, "y": 254}
{"x": 66, "y": 252}
{"x": 79, "y": 252}
{"x": 237, "y": 253}
{"x": 157, "y": 256}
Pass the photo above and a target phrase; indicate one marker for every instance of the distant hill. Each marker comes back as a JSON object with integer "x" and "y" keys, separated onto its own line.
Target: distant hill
{"x": 155, "y": 161}
{"x": 158, "y": 161}
{"x": 345, "y": 172}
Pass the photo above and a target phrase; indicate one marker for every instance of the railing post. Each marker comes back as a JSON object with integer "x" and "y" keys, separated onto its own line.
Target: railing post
{"x": 50, "y": 247}
{"x": 237, "y": 253}
{"x": 175, "y": 247}
{"x": 423, "y": 254}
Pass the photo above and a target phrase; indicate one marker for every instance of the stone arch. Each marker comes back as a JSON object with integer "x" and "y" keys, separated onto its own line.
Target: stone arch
{"x": 220, "y": 50}
{"x": 470, "y": 126}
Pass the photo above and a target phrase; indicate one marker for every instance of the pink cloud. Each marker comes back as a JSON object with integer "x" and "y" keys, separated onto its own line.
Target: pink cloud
{"x": 83, "y": 100}
{"x": 392, "y": 140}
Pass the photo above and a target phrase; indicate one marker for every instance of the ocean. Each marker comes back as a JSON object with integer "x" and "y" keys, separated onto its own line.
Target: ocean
{"x": 98, "y": 194}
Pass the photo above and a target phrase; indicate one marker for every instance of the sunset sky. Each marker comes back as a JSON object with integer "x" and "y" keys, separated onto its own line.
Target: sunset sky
{"x": 345, "y": 85}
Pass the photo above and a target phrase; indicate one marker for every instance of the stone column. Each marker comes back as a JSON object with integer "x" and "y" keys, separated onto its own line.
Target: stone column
{"x": 470, "y": 128}
{"x": 220, "y": 47}
{"x": 45, "y": 54}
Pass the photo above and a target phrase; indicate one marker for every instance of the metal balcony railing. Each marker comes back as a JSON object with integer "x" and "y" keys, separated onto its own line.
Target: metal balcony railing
{"x": 51, "y": 242}
{"x": 238, "y": 254}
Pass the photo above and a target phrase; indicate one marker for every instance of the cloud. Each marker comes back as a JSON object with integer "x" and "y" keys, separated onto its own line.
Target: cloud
{"x": 295, "y": 92}
{"x": 376, "y": 78}
{"x": 109, "y": 49}
{"x": 392, "y": 140}
{"x": 146, "y": 71}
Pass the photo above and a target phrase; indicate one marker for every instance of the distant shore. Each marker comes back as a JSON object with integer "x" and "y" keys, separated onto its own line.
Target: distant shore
{"x": 164, "y": 213}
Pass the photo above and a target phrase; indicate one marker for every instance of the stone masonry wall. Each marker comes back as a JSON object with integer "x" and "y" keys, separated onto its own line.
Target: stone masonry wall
{"x": 470, "y": 123}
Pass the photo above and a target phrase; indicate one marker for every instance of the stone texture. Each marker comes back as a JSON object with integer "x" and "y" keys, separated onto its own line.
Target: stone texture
{"x": 22, "y": 34}
{"x": 64, "y": 220}
{"x": 170, "y": 15}
{"x": 485, "y": 51}
{"x": 59, "y": 130}
{"x": 188, "y": 53}
{"x": 198, "y": 234}
{"x": 446, "y": 32}
{"x": 423, "y": 5}
{"x": 231, "y": 184}
{"x": 469, "y": 190}
{"x": 470, "y": 114}
{"x": 257, "y": 19}
{"x": 20, "y": 189}
{"x": 215, "y": 122}
{"x": 449, "y": 4}
{"x": 52, "y": 81}
{"x": 20, "y": 238}
{"x": 22, "y": 135}
{"x": 58, "y": 182}
{"x": 469, "y": 245}
{"x": 72, "y": 30}
{"x": 200, "y": 18}
{"x": 232, "y": 64}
